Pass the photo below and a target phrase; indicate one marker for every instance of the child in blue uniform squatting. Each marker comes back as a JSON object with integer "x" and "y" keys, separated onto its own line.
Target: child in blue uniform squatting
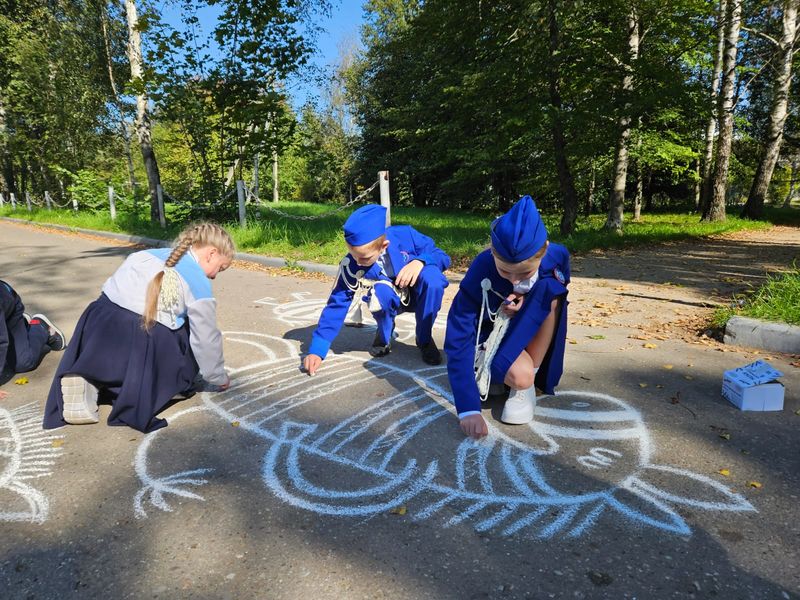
{"x": 524, "y": 277}
{"x": 147, "y": 337}
{"x": 24, "y": 339}
{"x": 397, "y": 269}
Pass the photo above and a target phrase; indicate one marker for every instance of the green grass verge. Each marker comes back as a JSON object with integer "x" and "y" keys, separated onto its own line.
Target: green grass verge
{"x": 460, "y": 234}
{"x": 778, "y": 299}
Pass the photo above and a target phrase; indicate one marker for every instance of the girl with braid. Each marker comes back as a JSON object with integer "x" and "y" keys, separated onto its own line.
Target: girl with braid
{"x": 150, "y": 336}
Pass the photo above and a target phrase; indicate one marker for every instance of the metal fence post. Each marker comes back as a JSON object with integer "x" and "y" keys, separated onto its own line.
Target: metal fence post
{"x": 28, "y": 200}
{"x": 111, "y": 204}
{"x": 13, "y": 201}
{"x": 383, "y": 177}
{"x": 240, "y": 197}
{"x": 162, "y": 218}
{"x": 75, "y": 203}
{"x": 47, "y": 200}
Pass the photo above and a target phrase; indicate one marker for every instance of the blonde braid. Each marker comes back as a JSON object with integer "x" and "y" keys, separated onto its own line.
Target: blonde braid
{"x": 163, "y": 292}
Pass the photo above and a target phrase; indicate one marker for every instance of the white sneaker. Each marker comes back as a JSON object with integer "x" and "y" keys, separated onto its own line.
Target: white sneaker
{"x": 80, "y": 400}
{"x": 518, "y": 409}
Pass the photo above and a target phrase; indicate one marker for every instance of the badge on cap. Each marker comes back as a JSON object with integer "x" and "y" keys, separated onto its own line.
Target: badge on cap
{"x": 560, "y": 276}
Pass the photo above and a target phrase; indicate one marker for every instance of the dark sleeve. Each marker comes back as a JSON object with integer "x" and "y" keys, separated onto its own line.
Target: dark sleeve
{"x": 427, "y": 251}
{"x": 4, "y": 342}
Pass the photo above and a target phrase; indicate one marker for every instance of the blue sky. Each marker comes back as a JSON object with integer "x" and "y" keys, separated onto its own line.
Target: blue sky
{"x": 343, "y": 24}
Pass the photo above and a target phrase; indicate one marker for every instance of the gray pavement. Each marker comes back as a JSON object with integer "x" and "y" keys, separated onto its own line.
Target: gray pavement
{"x": 357, "y": 483}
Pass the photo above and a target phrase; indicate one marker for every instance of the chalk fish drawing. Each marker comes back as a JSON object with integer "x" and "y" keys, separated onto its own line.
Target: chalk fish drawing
{"x": 364, "y": 436}
{"x": 27, "y": 452}
{"x": 304, "y": 310}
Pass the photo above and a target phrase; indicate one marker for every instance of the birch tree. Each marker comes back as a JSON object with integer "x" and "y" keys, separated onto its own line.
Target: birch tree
{"x": 715, "y": 210}
{"x": 616, "y": 204}
{"x": 143, "y": 127}
{"x": 708, "y": 152}
{"x": 754, "y": 207}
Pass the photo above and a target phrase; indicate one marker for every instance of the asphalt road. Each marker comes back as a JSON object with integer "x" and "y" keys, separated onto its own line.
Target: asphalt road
{"x": 357, "y": 483}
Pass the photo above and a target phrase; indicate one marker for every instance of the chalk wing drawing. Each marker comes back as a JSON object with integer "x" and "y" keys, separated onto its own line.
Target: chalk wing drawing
{"x": 363, "y": 437}
{"x": 304, "y": 310}
{"x": 27, "y": 452}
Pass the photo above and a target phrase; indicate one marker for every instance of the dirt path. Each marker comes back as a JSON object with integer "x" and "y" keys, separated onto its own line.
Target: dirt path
{"x": 670, "y": 290}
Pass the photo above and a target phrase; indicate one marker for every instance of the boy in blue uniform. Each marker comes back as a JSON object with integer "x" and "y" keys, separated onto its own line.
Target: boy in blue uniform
{"x": 24, "y": 340}
{"x": 524, "y": 276}
{"x": 396, "y": 269}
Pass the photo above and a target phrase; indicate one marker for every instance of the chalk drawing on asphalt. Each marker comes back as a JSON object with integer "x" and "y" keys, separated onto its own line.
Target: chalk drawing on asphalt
{"x": 27, "y": 453}
{"x": 305, "y": 310}
{"x": 365, "y": 436}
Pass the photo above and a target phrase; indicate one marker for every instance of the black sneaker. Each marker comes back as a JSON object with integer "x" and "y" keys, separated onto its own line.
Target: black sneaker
{"x": 379, "y": 347}
{"x": 56, "y": 341}
{"x": 431, "y": 354}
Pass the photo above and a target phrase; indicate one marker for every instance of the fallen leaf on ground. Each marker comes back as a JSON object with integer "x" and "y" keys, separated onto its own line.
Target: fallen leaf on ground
{"x": 58, "y": 443}
{"x": 725, "y": 436}
{"x": 725, "y": 472}
{"x": 642, "y": 385}
{"x": 234, "y": 423}
{"x": 668, "y": 367}
{"x": 596, "y": 337}
{"x": 650, "y": 346}
{"x": 755, "y": 484}
{"x": 688, "y": 377}
{"x": 21, "y": 381}
{"x": 398, "y": 510}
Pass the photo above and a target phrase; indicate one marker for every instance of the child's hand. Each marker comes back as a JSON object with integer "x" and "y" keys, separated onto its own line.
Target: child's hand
{"x": 3, "y": 394}
{"x": 512, "y": 304}
{"x": 311, "y": 363}
{"x": 474, "y": 426}
{"x": 407, "y": 276}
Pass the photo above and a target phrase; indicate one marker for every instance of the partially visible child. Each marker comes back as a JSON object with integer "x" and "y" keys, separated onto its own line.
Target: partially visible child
{"x": 24, "y": 339}
{"x": 402, "y": 270}
{"x": 147, "y": 337}
{"x": 524, "y": 276}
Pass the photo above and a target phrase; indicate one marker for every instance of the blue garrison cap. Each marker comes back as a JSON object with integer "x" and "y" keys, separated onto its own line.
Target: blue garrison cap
{"x": 365, "y": 224}
{"x": 520, "y": 233}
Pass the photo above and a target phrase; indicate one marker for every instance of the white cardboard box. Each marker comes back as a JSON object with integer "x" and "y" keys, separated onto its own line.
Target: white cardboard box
{"x": 754, "y": 387}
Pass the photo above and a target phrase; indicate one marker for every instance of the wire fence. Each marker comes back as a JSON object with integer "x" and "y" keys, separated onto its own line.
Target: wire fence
{"x": 236, "y": 199}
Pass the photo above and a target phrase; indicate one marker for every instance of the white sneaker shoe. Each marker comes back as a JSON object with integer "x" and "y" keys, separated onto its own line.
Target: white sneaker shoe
{"x": 518, "y": 409}
{"x": 80, "y": 401}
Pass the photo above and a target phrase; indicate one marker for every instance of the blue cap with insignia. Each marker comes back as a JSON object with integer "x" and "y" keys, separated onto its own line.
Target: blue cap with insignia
{"x": 520, "y": 233}
{"x": 365, "y": 224}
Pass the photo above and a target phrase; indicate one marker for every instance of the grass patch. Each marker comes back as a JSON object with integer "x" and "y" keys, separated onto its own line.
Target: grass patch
{"x": 461, "y": 234}
{"x": 778, "y": 299}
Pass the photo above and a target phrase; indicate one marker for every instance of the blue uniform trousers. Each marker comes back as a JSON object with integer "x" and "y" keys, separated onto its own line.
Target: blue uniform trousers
{"x": 425, "y": 300}
{"x": 22, "y": 346}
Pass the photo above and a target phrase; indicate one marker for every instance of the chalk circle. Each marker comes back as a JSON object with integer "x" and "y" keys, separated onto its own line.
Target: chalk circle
{"x": 581, "y": 404}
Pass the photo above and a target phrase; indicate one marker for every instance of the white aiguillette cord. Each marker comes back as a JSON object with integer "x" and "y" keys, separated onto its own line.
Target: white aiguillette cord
{"x": 484, "y": 357}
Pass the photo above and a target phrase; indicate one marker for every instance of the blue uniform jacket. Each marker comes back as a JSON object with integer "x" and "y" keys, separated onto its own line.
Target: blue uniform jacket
{"x": 462, "y": 325}
{"x": 405, "y": 244}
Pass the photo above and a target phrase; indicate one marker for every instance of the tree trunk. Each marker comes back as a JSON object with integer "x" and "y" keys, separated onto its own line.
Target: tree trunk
{"x": 6, "y": 176}
{"x": 274, "y": 176}
{"x": 708, "y": 152}
{"x": 566, "y": 183}
{"x": 142, "y": 114}
{"x": 637, "y": 198}
{"x": 123, "y": 124}
{"x": 788, "y": 200}
{"x": 715, "y": 211}
{"x": 616, "y": 204}
{"x": 754, "y": 207}
{"x": 590, "y": 190}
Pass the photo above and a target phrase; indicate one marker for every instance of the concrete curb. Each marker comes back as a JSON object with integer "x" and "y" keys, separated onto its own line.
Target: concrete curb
{"x": 267, "y": 261}
{"x": 766, "y": 335}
